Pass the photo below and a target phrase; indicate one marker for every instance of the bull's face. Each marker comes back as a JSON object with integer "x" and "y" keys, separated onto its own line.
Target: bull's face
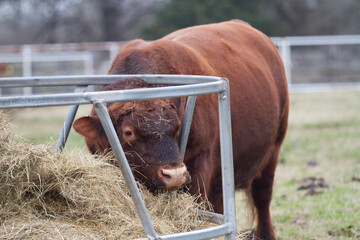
{"x": 149, "y": 134}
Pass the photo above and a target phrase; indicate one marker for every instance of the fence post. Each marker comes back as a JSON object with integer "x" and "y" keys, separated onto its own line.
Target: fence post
{"x": 113, "y": 51}
{"x": 334, "y": 64}
{"x": 285, "y": 52}
{"x": 89, "y": 64}
{"x": 26, "y": 66}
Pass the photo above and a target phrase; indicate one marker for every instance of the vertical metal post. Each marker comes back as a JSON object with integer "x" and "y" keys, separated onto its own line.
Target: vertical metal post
{"x": 68, "y": 122}
{"x": 285, "y": 52}
{"x": 186, "y": 124}
{"x": 66, "y": 128}
{"x": 108, "y": 126}
{"x": 26, "y": 65}
{"x": 227, "y": 168}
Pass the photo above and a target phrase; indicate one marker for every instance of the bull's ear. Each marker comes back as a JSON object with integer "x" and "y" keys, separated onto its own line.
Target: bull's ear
{"x": 180, "y": 105}
{"x": 86, "y": 126}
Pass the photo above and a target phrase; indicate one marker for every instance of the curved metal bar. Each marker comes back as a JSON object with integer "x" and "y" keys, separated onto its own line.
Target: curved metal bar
{"x": 102, "y": 80}
{"x": 206, "y": 233}
{"x": 214, "y": 217}
{"x": 110, "y": 96}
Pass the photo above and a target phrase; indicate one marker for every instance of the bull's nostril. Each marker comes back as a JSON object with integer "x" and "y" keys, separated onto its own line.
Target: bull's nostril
{"x": 165, "y": 175}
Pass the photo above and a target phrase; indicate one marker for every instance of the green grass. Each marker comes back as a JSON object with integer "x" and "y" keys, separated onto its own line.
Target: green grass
{"x": 43, "y": 125}
{"x": 324, "y": 127}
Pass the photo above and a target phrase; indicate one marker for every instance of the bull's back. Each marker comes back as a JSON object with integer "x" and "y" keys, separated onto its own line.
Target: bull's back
{"x": 238, "y": 52}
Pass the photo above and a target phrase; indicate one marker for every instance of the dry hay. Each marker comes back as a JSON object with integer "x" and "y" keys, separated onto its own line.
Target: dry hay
{"x": 76, "y": 196}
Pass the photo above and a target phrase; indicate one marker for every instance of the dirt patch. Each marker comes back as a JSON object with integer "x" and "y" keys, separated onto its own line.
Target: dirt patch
{"x": 348, "y": 231}
{"x": 355, "y": 179}
{"x": 313, "y": 163}
{"x": 313, "y": 186}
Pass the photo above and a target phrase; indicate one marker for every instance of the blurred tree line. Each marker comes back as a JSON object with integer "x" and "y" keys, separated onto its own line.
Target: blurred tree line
{"x": 50, "y": 21}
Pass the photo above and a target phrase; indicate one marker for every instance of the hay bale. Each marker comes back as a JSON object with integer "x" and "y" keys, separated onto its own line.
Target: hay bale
{"x": 77, "y": 196}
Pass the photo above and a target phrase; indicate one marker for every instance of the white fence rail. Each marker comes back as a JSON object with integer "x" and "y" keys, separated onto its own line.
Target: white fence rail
{"x": 27, "y": 59}
{"x": 329, "y": 61}
{"x": 55, "y": 59}
{"x": 312, "y": 63}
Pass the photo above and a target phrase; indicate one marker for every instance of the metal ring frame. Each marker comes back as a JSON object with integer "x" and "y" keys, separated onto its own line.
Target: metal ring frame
{"x": 188, "y": 85}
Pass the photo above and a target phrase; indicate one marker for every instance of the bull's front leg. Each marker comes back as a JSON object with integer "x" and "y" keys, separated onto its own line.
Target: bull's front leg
{"x": 201, "y": 169}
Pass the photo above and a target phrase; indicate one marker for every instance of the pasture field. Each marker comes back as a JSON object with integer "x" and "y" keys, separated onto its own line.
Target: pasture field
{"x": 43, "y": 125}
{"x": 317, "y": 184}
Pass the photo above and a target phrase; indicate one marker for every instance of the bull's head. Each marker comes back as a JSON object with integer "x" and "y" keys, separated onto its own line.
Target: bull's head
{"x": 149, "y": 134}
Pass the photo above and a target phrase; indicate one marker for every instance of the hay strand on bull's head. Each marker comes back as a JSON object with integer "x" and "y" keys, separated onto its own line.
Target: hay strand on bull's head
{"x": 76, "y": 196}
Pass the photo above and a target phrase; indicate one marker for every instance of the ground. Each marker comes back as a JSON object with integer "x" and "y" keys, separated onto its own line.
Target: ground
{"x": 317, "y": 185}
{"x": 317, "y": 188}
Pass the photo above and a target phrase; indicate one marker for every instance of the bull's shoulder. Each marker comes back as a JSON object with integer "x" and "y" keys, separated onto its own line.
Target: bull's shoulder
{"x": 126, "y": 59}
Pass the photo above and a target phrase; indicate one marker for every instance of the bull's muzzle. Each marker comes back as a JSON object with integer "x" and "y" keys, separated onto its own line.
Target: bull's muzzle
{"x": 174, "y": 177}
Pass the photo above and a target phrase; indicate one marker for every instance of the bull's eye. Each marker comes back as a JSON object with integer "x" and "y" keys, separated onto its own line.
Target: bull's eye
{"x": 128, "y": 133}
